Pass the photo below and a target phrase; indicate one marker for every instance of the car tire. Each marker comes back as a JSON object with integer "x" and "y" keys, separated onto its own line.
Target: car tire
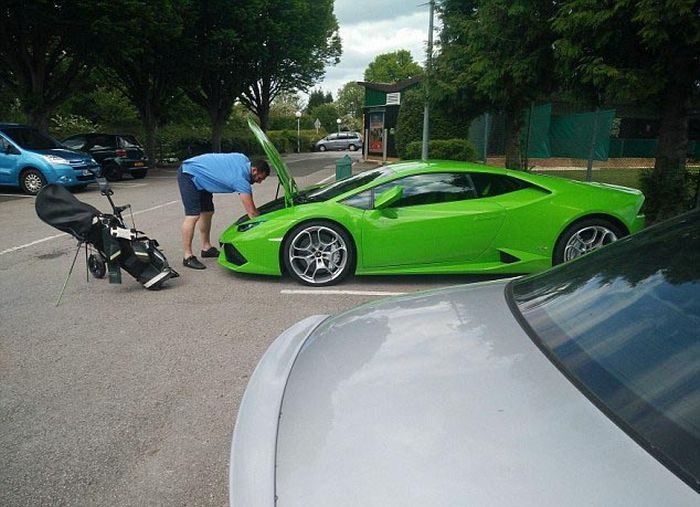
{"x": 322, "y": 148}
{"x": 31, "y": 181}
{"x": 352, "y": 147}
{"x": 140, "y": 174}
{"x": 585, "y": 236}
{"x": 112, "y": 172}
{"x": 318, "y": 253}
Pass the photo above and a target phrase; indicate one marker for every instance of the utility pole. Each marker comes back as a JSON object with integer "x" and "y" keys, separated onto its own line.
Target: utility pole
{"x": 428, "y": 70}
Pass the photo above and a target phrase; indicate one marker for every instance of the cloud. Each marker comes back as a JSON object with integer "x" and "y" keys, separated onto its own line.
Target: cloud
{"x": 369, "y": 29}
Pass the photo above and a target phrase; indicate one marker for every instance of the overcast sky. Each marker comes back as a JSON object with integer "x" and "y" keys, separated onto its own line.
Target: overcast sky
{"x": 370, "y": 28}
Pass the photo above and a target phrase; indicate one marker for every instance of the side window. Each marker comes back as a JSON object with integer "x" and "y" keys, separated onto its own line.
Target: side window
{"x": 363, "y": 200}
{"x": 3, "y": 145}
{"x": 431, "y": 188}
{"x": 128, "y": 142}
{"x": 489, "y": 185}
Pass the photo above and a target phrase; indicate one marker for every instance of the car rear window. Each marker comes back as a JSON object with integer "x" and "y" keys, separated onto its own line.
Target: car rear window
{"x": 623, "y": 326}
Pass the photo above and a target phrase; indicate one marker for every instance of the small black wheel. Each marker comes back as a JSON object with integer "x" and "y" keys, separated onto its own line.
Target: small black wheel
{"x": 352, "y": 147}
{"x": 322, "y": 148}
{"x": 112, "y": 172}
{"x": 31, "y": 181}
{"x": 585, "y": 236}
{"x": 97, "y": 266}
{"x": 139, "y": 174}
{"x": 318, "y": 253}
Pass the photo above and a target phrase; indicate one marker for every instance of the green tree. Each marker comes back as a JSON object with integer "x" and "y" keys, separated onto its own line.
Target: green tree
{"x": 444, "y": 124}
{"x": 299, "y": 38}
{"x": 327, "y": 114}
{"x": 287, "y": 104}
{"x": 38, "y": 63}
{"x": 392, "y": 67}
{"x": 142, "y": 53}
{"x": 351, "y": 99}
{"x": 496, "y": 55}
{"x": 224, "y": 38}
{"x": 316, "y": 98}
{"x": 644, "y": 51}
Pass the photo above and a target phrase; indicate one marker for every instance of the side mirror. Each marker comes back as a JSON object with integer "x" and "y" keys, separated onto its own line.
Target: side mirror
{"x": 386, "y": 199}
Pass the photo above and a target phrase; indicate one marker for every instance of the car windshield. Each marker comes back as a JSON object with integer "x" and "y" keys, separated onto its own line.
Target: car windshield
{"x": 320, "y": 194}
{"x": 31, "y": 139}
{"x": 623, "y": 325}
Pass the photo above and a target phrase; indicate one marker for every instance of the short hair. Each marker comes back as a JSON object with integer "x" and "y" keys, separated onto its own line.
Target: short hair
{"x": 262, "y": 167}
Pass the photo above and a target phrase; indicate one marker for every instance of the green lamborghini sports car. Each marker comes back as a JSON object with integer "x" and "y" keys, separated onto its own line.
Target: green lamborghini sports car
{"x": 424, "y": 217}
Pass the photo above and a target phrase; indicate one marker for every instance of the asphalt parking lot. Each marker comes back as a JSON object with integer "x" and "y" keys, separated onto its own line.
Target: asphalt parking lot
{"x": 123, "y": 396}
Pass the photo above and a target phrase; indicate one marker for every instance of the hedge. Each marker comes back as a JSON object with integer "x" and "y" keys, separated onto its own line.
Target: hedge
{"x": 443, "y": 149}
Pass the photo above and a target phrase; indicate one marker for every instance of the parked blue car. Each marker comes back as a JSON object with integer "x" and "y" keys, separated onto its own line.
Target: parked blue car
{"x": 30, "y": 159}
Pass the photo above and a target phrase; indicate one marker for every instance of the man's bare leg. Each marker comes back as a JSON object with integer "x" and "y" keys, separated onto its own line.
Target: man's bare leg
{"x": 205, "y": 229}
{"x": 188, "y": 226}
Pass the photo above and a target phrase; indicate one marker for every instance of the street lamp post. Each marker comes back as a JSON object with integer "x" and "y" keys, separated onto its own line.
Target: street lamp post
{"x": 298, "y": 115}
{"x": 338, "y": 121}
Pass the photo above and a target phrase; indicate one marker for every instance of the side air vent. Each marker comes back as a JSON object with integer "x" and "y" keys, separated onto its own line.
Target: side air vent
{"x": 507, "y": 258}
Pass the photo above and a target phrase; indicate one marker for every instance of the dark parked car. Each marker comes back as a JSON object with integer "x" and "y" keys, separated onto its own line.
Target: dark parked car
{"x": 30, "y": 158}
{"x": 340, "y": 141}
{"x": 118, "y": 154}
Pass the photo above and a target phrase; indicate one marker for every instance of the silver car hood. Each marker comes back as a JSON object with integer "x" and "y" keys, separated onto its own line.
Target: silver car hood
{"x": 427, "y": 400}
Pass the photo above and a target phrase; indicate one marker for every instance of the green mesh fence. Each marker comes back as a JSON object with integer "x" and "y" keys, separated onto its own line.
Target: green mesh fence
{"x": 536, "y": 134}
{"x": 566, "y": 136}
{"x": 571, "y": 136}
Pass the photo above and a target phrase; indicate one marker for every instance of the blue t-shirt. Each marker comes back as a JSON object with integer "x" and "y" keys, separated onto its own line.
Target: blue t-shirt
{"x": 220, "y": 173}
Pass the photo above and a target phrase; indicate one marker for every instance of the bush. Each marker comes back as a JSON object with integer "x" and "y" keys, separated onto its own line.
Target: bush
{"x": 443, "y": 125}
{"x": 666, "y": 196}
{"x": 64, "y": 126}
{"x": 185, "y": 142}
{"x": 443, "y": 149}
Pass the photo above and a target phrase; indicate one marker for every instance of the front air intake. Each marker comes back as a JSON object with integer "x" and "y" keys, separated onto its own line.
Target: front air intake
{"x": 233, "y": 256}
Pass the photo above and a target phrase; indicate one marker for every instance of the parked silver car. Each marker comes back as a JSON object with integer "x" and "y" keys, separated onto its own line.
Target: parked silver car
{"x": 340, "y": 141}
{"x": 576, "y": 386}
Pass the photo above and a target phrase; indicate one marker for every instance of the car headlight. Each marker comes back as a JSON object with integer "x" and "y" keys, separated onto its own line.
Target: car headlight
{"x": 247, "y": 226}
{"x": 55, "y": 159}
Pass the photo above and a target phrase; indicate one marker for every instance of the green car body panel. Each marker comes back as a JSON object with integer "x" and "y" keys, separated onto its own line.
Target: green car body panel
{"x": 512, "y": 232}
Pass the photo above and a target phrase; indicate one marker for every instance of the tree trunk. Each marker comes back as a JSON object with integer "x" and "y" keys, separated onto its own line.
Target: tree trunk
{"x": 149, "y": 123}
{"x": 513, "y": 126}
{"x": 264, "y": 116}
{"x": 217, "y": 130}
{"x": 669, "y": 173}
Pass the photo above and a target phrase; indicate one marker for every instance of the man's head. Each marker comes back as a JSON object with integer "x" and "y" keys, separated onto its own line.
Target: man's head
{"x": 259, "y": 170}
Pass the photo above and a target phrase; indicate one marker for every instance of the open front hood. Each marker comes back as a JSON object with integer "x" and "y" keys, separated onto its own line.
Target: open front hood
{"x": 275, "y": 160}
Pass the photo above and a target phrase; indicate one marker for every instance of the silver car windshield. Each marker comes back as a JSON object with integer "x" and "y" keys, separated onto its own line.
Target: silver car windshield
{"x": 623, "y": 325}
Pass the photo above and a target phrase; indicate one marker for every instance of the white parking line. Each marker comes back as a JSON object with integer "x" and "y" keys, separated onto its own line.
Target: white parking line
{"x": 49, "y": 238}
{"x": 325, "y": 292}
{"x": 27, "y": 245}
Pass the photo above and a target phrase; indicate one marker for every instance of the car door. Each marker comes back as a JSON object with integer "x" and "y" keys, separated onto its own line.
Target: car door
{"x": 9, "y": 158}
{"x": 438, "y": 220}
{"x": 332, "y": 141}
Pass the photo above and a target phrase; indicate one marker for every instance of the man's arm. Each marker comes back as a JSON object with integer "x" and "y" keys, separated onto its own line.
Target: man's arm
{"x": 249, "y": 205}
